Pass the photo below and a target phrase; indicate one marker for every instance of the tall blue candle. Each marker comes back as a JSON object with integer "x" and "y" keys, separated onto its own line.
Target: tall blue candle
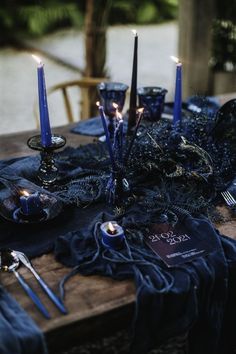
{"x": 108, "y": 141}
{"x": 178, "y": 92}
{"x": 46, "y": 135}
{"x": 118, "y": 134}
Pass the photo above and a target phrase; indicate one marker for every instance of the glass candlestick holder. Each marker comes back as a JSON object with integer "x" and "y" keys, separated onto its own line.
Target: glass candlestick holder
{"x": 48, "y": 171}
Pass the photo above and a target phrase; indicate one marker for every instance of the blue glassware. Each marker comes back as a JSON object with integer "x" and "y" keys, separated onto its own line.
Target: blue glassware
{"x": 152, "y": 99}
{"x": 112, "y": 92}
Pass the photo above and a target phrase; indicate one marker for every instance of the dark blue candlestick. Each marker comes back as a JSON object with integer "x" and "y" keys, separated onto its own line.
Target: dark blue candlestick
{"x": 46, "y": 135}
{"x": 30, "y": 204}
{"x": 112, "y": 235}
{"x": 133, "y": 89}
{"x": 178, "y": 95}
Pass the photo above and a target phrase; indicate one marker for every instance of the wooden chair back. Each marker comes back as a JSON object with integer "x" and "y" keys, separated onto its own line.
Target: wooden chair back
{"x": 85, "y": 84}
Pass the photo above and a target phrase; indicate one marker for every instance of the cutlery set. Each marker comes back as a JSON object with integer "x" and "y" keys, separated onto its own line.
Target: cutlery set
{"x": 10, "y": 261}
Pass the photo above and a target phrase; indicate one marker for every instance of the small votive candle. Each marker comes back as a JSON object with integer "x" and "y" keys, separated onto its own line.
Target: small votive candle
{"x": 112, "y": 235}
{"x": 30, "y": 203}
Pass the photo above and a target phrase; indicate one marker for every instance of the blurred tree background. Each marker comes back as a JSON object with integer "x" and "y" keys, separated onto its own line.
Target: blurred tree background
{"x": 224, "y": 36}
{"x": 36, "y": 18}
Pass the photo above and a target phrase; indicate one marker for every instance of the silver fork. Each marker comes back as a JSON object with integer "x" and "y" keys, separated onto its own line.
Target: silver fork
{"x": 229, "y": 199}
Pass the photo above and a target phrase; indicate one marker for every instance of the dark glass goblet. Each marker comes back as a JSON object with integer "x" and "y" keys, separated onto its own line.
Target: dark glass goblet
{"x": 152, "y": 99}
{"x": 112, "y": 92}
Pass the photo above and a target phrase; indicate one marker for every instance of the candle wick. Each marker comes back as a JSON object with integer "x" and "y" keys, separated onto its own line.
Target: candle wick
{"x": 112, "y": 232}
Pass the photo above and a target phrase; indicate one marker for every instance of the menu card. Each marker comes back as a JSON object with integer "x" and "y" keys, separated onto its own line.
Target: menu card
{"x": 175, "y": 245}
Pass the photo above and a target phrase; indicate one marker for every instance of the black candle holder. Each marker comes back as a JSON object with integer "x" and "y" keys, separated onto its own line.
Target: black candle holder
{"x": 20, "y": 217}
{"x": 48, "y": 171}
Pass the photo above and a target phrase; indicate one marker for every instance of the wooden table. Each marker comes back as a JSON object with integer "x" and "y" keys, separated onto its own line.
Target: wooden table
{"x": 97, "y": 305}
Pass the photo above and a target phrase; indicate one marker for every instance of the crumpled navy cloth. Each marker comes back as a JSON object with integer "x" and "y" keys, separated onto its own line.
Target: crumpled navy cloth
{"x": 92, "y": 127}
{"x": 18, "y": 332}
{"x": 196, "y": 297}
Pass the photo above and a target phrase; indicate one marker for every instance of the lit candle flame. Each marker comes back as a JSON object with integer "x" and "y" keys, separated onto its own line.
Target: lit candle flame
{"x": 134, "y": 32}
{"x": 175, "y": 59}
{"x": 140, "y": 110}
{"x": 111, "y": 228}
{"x": 118, "y": 114}
{"x": 25, "y": 193}
{"x": 37, "y": 59}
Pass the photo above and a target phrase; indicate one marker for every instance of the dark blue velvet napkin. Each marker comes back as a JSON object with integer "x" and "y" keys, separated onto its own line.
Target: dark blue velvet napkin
{"x": 18, "y": 332}
{"x": 232, "y": 188}
{"x": 92, "y": 127}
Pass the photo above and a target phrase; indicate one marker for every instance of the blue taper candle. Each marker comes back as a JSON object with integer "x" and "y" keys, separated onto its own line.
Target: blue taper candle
{"x": 118, "y": 134}
{"x": 178, "y": 94}
{"x": 46, "y": 135}
{"x": 108, "y": 141}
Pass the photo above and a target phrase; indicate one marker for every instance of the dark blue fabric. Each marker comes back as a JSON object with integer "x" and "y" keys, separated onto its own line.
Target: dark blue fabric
{"x": 18, "y": 332}
{"x": 169, "y": 301}
{"x": 92, "y": 127}
{"x": 232, "y": 188}
{"x": 195, "y": 297}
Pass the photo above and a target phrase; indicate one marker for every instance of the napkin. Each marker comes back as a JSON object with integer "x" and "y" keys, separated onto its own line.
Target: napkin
{"x": 232, "y": 188}
{"x": 92, "y": 127}
{"x": 18, "y": 332}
